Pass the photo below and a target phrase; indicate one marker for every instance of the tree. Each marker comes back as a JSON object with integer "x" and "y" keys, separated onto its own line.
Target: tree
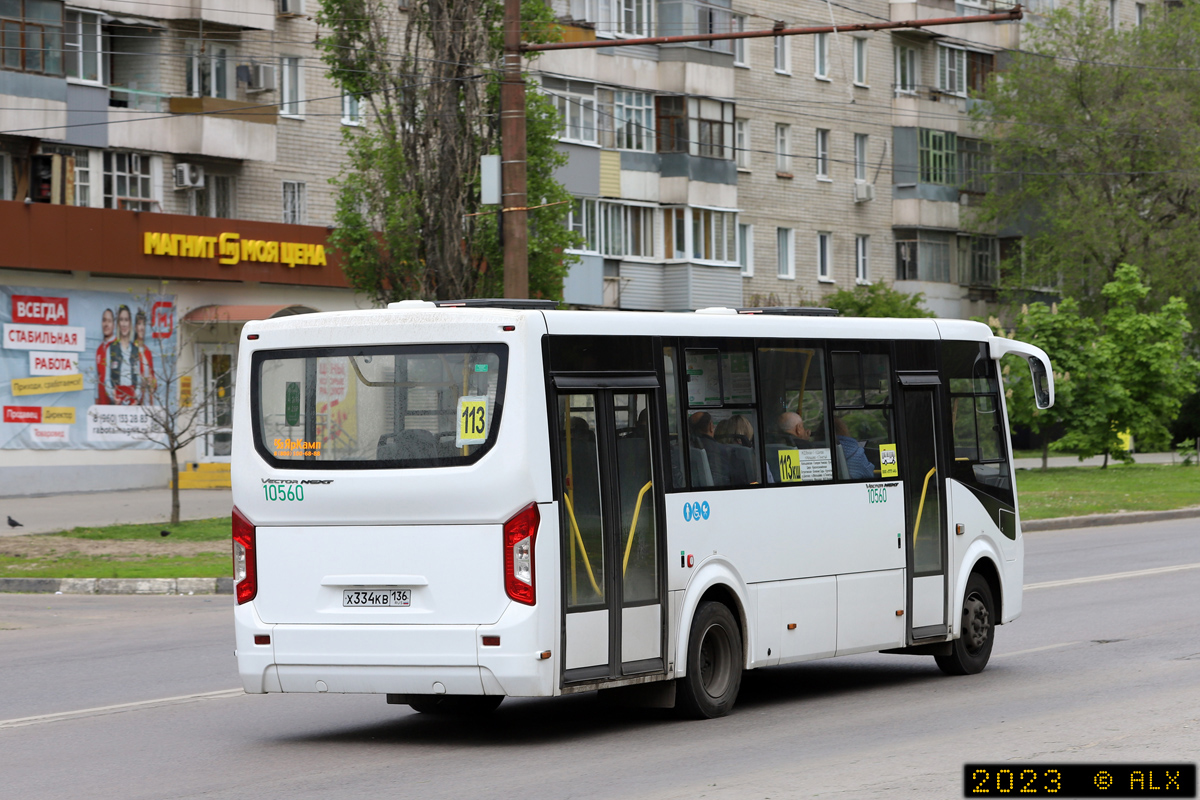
{"x": 1095, "y": 149}
{"x": 409, "y": 222}
{"x": 877, "y": 300}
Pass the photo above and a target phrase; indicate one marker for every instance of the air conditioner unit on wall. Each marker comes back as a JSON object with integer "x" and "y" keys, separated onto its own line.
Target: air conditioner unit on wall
{"x": 864, "y": 192}
{"x": 289, "y": 8}
{"x": 189, "y": 176}
{"x": 262, "y": 78}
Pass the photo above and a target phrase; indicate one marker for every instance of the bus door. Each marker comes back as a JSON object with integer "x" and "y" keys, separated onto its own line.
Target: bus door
{"x": 612, "y": 538}
{"x": 924, "y": 479}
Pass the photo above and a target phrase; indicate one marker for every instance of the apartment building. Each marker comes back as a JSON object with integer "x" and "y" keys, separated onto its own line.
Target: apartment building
{"x": 164, "y": 177}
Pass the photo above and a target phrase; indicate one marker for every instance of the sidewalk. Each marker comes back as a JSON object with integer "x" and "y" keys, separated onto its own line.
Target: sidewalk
{"x": 61, "y": 512}
{"x": 1094, "y": 461}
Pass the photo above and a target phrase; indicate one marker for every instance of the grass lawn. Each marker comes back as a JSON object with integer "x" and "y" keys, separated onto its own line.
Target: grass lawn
{"x": 194, "y": 549}
{"x": 1074, "y": 491}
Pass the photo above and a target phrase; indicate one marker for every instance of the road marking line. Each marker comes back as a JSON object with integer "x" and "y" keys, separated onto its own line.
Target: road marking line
{"x": 1137, "y": 573}
{"x": 1036, "y": 649}
{"x": 116, "y": 709}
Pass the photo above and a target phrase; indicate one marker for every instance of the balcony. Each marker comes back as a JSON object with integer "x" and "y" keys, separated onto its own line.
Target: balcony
{"x": 255, "y": 14}
{"x": 202, "y": 126}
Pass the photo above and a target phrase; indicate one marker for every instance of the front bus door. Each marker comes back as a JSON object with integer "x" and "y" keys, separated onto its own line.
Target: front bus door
{"x": 925, "y": 511}
{"x": 613, "y": 592}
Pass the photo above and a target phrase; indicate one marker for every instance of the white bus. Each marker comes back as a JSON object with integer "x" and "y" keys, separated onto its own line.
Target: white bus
{"x": 451, "y": 504}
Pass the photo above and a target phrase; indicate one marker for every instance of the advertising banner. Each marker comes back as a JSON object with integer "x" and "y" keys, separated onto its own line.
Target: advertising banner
{"x": 79, "y": 368}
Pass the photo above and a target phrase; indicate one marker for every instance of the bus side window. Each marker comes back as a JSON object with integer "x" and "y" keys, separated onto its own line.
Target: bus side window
{"x": 794, "y": 405}
{"x": 674, "y": 445}
{"x": 980, "y": 455}
{"x": 862, "y": 416}
{"x": 722, "y": 420}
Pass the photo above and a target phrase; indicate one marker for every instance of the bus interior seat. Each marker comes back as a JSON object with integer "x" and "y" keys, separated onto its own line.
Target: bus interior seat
{"x": 843, "y": 469}
{"x": 413, "y": 443}
{"x": 701, "y": 472}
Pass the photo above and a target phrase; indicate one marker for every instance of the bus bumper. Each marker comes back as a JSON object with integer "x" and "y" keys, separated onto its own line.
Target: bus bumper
{"x": 398, "y": 659}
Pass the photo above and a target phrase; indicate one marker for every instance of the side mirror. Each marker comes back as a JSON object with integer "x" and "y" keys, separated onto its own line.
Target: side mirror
{"x": 1039, "y": 367}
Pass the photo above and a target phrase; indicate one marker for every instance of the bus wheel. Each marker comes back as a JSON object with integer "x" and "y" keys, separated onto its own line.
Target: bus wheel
{"x": 455, "y": 704}
{"x": 972, "y": 649}
{"x": 714, "y": 664}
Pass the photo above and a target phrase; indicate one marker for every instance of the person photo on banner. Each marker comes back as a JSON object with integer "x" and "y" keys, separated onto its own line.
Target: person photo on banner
{"x": 149, "y": 382}
{"x": 106, "y": 336}
{"x": 123, "y": 379}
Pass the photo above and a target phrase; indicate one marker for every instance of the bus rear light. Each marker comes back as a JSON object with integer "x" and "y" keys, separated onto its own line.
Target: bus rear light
{"x": 491, "y": 641}
{"x": 245, "y": 564}
{"x": 520, "y": 535}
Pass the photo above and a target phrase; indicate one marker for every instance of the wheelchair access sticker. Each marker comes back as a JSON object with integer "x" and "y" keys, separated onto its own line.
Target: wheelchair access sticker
{"x": 889, "y": 465}
{"x": 696, "y": 511}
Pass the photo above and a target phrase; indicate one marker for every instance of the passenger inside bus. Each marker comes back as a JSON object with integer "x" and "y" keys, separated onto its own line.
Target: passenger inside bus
{"x": 729, "y": 466}
{"x": 790, "y": 430}
{"x": 855, "y": 457}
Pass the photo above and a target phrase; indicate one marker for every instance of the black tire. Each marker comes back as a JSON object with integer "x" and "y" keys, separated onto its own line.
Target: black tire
{"x": 714, "y": 664}
{"x": 455, "y": 704}
{"x": 973, "y": 647}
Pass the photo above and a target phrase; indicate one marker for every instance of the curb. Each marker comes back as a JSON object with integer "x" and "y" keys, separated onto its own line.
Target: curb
{"x": 1096, "y": 520}
{"x": 181, "y": 586}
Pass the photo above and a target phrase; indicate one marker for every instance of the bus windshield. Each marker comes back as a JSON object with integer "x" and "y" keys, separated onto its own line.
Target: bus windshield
{"x": 378, "y": 407}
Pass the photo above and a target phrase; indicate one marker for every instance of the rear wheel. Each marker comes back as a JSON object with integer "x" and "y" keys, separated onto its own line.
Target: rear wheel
{"x": 972, "y": 649}
{"x": 455, "y": 704}
{"x": 714, "y": 664}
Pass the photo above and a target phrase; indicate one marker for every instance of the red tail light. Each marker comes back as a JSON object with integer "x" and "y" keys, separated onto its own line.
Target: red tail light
{"x": 520, "y": 534}
{"x": 245, "y": 565}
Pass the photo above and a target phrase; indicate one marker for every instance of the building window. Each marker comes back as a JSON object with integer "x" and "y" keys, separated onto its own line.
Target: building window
{"x": 745, "y": 249}
{"x": 1113, "y": 16}
{"x": 783, "y": 149}
{"x": 576, "y": 117}
{"x": 295, "y": 203}
{"x": 713, "y": 235}
{"x": 784, "y": 254}
{"x": 82, "y": 46}
{"x": 351, "y": 110}
{"x": 582, "y": 220}
{"x": 291, "y": 86}
{"x": 860, "y": 62}
{"x": 633, "y": 120}
{"x": 862, "y": 256}
{"x": 821, "y": 56}
{"x": 129, "y": 181}
{"x": 1139, "y": 14}
{"x": 215, "y": 199}
{"x": 822, "y": 153}
{"x": 978, "y": 261}
{"x": 979, "y": 67}
{"x": 742, "y": 134}
{"x": 626, "y": 230}
{"x": 81, "y": 161}
{"x": 952, "y": 70}
{"x": 711, "y": 125}
{"x": 824, "y": 256}
{"x": 5, "y": 177}
{"x": 938, "y": 157}
{"x": 860, "y": 157}
{"x": 31, "y": 36}
{"x": 741, "y": 47}
{"x": 672, "y": 124}
{"x": 783, "y": 55}
{"x": 975, "y": 161}
{"x": 208, "y": 71}
{"x": 623, "y": 17}
{"x": 906, "y": 70}
{"x": 923, "y": 255}
{"x": 675, "y": 232}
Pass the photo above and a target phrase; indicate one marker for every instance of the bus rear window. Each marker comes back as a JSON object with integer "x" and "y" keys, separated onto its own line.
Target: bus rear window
{"x": 377, "y": 407}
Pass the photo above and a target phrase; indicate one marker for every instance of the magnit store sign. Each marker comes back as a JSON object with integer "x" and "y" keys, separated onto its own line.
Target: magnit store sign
{"x": 229, "y": 249}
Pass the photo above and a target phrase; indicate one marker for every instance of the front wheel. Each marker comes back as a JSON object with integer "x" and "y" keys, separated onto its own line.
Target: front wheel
{"x": 714, "y": 664}
{"x": 973, "y": 647}
{"x": 455, "y": 704}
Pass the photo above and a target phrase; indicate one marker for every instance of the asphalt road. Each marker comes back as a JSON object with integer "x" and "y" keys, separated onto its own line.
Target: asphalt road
{"x": 1095, "y": 670}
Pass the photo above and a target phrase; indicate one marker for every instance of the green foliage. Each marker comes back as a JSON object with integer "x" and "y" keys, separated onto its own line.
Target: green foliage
{"x": 409, "y": 223}
{"x": 1130, "y": 372}
{"x": 1187, "y": 451}
{"x": 1075, "y": 491}
{"x": 877, "y": 300}
{"x": 1094, "y": 162}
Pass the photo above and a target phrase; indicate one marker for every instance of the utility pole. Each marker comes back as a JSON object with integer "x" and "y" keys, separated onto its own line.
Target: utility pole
{"x": 512, "y": 112}
{"x": 513, "y": 216}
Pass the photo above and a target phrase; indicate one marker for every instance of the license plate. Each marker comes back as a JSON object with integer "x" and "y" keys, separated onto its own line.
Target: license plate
{"x": 376, "y": 597}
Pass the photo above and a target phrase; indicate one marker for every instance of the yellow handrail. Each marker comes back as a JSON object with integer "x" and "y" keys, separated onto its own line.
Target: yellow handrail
{"x": 586, "y": 562}
{"x": 921, "y": 505}
{"x": 637, "y": 509}
{"x": 571, "y": 494}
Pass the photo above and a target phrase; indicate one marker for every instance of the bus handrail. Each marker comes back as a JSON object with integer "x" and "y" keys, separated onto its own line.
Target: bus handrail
{"x": 575, "y": 528}
{"x": 637, "y": 509}
{"x": 921, "y": 505}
